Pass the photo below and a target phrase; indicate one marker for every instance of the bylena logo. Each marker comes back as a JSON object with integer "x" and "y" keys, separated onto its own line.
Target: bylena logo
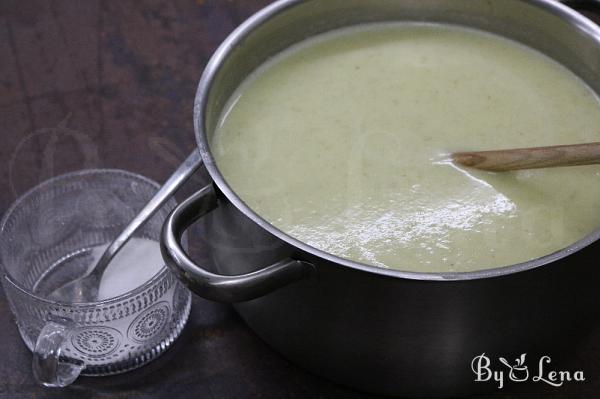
{"x": 519, "y": 372}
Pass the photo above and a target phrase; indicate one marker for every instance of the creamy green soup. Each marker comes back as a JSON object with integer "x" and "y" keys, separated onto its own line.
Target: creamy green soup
{"x": 342, "y": 142}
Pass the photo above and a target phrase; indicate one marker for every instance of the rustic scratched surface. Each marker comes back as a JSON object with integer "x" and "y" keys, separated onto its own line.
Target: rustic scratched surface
{"x": 111, "y": 84}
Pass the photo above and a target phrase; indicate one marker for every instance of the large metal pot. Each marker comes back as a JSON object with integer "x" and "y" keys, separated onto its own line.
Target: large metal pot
{"x": 384, "y": 331}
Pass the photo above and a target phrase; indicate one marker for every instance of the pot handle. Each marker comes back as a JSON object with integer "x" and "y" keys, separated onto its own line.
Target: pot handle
{"x": 213, "y": 286}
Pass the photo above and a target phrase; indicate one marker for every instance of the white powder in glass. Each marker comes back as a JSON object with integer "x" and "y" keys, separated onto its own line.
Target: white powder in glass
{"x": 135, "y": 264}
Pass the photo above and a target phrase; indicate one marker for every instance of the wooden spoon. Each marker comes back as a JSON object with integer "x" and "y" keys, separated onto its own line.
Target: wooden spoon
{"x": 530, "y": 158}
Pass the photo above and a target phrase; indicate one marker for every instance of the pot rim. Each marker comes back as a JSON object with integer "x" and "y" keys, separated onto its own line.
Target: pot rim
{"x": 201, "y": 101}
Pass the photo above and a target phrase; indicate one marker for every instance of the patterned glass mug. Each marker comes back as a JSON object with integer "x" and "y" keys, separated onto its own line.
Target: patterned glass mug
{"x": 46, "y": 239}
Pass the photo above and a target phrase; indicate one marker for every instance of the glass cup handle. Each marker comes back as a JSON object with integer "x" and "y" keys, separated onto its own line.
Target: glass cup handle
{"x": 50, "y": 366}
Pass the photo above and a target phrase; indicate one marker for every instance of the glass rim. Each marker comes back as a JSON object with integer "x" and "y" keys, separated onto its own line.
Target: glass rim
{"x": 57, "y": 179}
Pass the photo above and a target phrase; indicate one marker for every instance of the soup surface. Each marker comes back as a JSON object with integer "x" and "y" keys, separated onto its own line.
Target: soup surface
{"x": 342, "y": 142}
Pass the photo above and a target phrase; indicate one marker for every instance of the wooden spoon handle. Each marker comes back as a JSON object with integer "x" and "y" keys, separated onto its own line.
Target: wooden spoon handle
{"x": 531, "y": 158}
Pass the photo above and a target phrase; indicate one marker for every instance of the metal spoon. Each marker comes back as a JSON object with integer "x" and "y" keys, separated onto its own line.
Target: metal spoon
{"x": 85, "y": 289}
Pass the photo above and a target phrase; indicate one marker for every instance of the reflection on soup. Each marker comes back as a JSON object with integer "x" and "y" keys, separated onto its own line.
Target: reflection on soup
{"x": 342, "y": 143}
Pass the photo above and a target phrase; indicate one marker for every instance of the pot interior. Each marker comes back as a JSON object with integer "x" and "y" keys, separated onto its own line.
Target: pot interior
{"x": 551, "y": 28}
{"x": 544, "y": 25}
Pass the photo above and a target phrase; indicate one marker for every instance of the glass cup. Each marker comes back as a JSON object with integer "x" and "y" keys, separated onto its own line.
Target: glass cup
{"x": 46, "y": 239}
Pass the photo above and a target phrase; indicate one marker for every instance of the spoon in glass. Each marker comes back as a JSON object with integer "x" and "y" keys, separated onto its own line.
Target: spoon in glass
{"x": 85, "y": 288}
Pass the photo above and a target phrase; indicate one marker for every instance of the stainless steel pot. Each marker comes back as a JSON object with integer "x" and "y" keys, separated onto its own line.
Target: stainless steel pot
{"x": 384, "y": 331}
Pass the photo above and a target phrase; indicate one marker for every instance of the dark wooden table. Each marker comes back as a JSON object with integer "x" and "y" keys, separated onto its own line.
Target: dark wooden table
{"x": 110, "y": 84}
